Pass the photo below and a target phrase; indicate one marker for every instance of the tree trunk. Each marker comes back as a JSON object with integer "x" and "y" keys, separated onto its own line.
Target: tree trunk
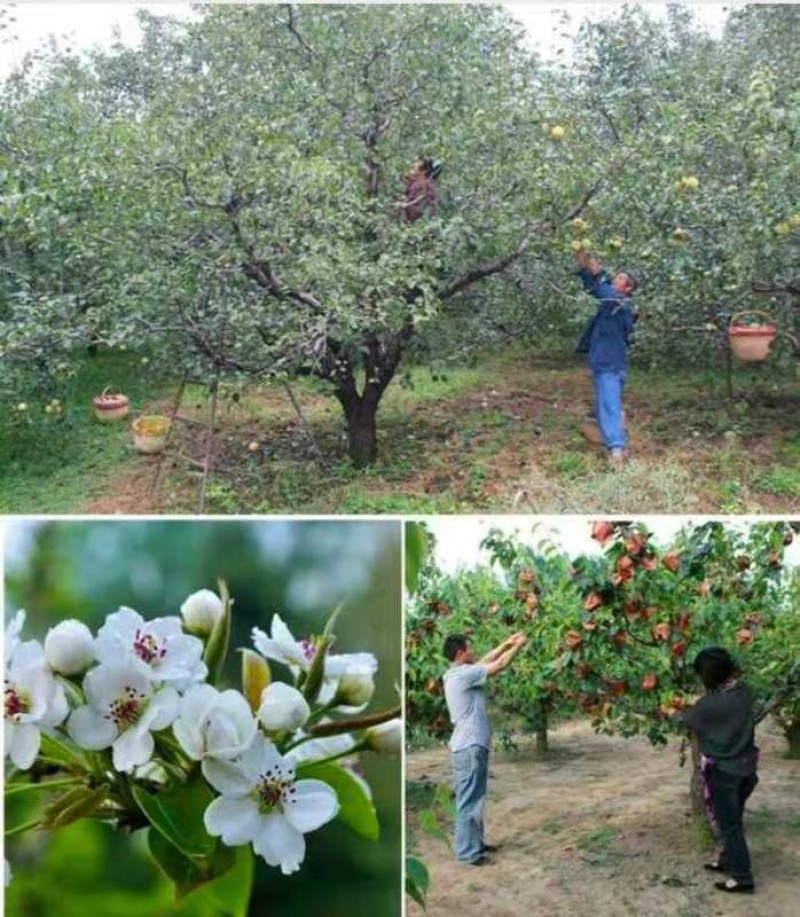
{"x": 791, "y": 730}
{"x": 542, "y": 740}
{"x": 696, "y": 780}
{"x": 362, "y": 430}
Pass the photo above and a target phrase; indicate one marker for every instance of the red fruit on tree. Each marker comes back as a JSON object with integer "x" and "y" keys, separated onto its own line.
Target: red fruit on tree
{"x": 590, "y": 625}
{"x": 625, "y": 563}
{"x": 618, "y": 686}
{"x": 620, "y": 638}
{"x": 683, "y": 621}
{"x": 662, "y": 631}
{"x": 526, "y": 576}
{"x": 593, "y": 600}
{"x": 573, "y": 639}
{"x": 648, "y": 612}
{"x": 649, "y": 682}
{"x": 632, "y": 609}
{"x": 635, "y": 544}
{"x": 679, "y": 649}
{"x": 649, "y": 562}
{"x": 625, "y": 575}
{"x": 672, "y": 562}
{"x": 602, "y": 531}
{"x": 745, "y": 636}
{"x": 432, "y": 686}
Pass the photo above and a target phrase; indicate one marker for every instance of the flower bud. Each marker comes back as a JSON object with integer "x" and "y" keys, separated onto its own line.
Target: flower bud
{"x": 201, "y": 611}
{"x": 355, "y": 690}
{"x": 256, "y": 677}
{"x": 69, "y": 647}
{"x": 387, "y": 738}
{"x": 282, "y": 708}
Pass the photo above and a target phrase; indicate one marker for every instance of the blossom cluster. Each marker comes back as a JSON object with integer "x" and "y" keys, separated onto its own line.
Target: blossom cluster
{"x": 138, "y": 697}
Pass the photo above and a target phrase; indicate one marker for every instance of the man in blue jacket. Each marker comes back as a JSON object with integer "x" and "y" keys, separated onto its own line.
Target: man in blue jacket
{"x": 605, "y": 341}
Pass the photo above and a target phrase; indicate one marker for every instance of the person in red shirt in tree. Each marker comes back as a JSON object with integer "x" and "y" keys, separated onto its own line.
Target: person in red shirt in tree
{"x": 421, "y": 194}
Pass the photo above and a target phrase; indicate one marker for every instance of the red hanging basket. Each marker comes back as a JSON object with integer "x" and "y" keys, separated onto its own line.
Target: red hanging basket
{"x": 750, "y": 342}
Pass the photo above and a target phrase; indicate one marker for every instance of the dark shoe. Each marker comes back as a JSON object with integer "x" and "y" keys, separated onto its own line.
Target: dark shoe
{"x": 481, "y": 861}
{"x": 734, "y": 887}
{"x": 491, "y": 848}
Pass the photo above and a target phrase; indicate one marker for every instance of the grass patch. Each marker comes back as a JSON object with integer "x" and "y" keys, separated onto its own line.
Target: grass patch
{"x": 783, "y": 482}
{"x": 54, "y": 465}
{"x": 420, "y": 794}
{"x": 498, "y": 437}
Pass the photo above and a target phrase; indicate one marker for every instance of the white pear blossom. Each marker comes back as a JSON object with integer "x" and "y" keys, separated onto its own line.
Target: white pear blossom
{"x": 281, "y": 646}
{"x": 35, "y": 703}
{"x": 214, "y": 724}
{"x": 282, "y": 708}
{"x": 201, "y": 611}
{"x": 298, "y": 656}
{"x": 12, "y": 638}
{"x": 321, "y": 747}
{"x": 69, "y": 647}
{"x": 263, "y": 803}
{"x": 387, "y": 738}
{"x": 123, "y": 709}
{"x": 354, "y": 691}
{"x": 160, "y": 646}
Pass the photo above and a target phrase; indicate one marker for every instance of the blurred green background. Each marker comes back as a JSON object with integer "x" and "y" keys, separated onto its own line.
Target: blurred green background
{"x": 301, "y": 569}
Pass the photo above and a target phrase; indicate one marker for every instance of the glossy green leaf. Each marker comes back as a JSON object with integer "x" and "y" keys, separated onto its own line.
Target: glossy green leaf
{"x": 418, "y": 879}
{"x": 356, "y": 808}
{"x": 178, "y": 815}
{"x": 417, "y": 550}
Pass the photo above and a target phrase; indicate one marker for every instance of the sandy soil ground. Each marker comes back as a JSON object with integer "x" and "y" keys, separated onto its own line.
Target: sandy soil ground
{"x": 602, "y": 828}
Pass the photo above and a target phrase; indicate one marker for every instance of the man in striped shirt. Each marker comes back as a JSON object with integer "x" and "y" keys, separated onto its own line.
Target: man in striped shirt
{"x": 464, "y": 691}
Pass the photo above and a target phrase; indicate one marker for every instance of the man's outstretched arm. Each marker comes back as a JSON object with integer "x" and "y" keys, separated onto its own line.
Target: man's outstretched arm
{"x": 498, "y": 651}
{"x": 505, "y": 659}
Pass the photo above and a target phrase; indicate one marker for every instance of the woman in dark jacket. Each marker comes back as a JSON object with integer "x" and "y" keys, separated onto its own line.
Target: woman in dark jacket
{"x": 724, "y": 723}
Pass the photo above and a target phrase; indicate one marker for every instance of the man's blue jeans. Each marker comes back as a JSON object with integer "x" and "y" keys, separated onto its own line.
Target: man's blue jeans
{"x": 470, "y": 777}
{"x": 608, "y": 389}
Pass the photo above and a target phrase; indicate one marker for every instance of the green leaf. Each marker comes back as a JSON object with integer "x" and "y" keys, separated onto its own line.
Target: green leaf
{"x": 356, "y": 808}
{"x": 217, "y": 647}
{"x": 233, "y": 889}
{"x": 78, "y": 803}
{"x": 417, "y": 548}
{"x": 418, "y": 879}
{"x": 178, "y": 815}
{"x": 61, "y": 753}
{"x": 191, "y": 875}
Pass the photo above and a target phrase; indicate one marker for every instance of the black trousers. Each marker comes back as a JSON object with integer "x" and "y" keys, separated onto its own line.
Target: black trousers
{"x": 729, "y": 793}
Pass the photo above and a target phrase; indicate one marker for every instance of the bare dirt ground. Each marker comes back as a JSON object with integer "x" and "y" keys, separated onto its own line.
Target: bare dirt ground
{"x": 602, "y": 828}
{"x": 508, "y": 442}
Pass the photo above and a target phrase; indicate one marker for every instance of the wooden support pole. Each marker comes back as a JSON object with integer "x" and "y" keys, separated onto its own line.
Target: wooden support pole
{"x": 209, "y": 439}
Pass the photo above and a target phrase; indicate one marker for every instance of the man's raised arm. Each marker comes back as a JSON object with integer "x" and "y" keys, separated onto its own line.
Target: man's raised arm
{"x": 504, "y": 659}
{"x": 498, "y": 651}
